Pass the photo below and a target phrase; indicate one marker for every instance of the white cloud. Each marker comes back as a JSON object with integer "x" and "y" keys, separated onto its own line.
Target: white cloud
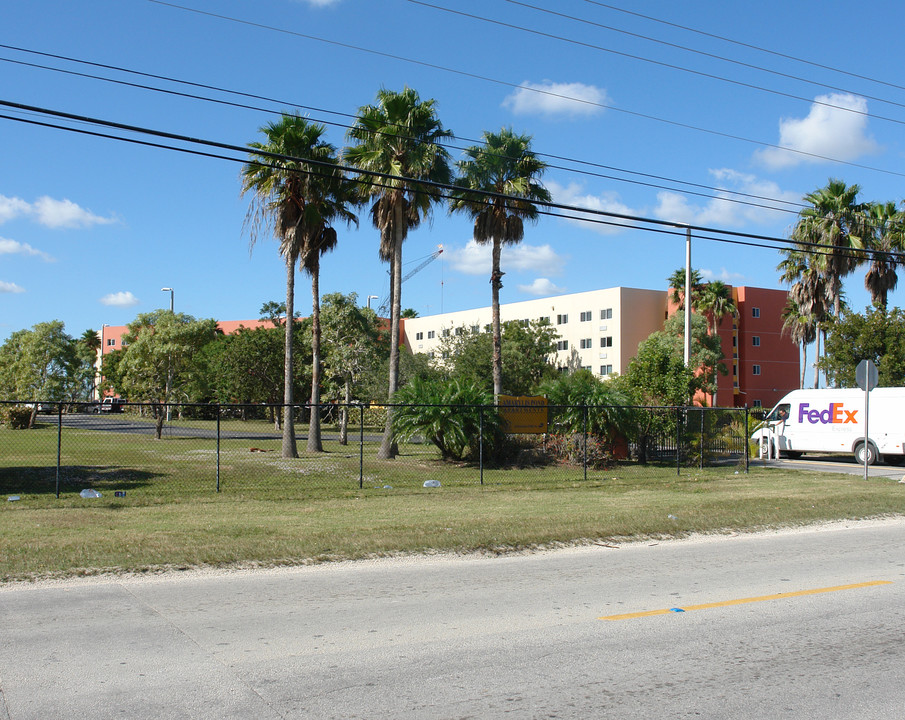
{"x": 571, "y": 194}
{"x": 474, "y": 258}
{"x": 7, "y": 287}
{"x": 550, "y": 98}
{"x": 728, "y": 209}
{"x": 120, "y": 299}
{"x": 65, "y": 213}
{"x": 11, "y": 208}
{"x": 830, "y": 132}
{"x": 50, "y": 212}
{"x": 730, "y": 278}
{"x": 541, "y": 287}
{"x": 13, "y": 247}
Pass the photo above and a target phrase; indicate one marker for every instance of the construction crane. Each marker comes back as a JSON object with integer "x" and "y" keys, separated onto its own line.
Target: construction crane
{"x": 385, "y": 305}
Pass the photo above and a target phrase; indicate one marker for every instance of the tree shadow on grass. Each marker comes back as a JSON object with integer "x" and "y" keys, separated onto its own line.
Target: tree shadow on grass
{"x": 31, "y": 480}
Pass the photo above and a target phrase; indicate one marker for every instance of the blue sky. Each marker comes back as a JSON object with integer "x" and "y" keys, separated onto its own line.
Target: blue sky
{"x": 91, "y": 228}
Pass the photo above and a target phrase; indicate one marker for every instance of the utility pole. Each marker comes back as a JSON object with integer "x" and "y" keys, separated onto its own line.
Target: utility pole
{"x": 687, "y": 296}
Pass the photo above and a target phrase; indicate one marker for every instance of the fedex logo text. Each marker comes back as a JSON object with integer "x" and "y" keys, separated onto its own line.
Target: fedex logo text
{"x": 834, "y": 414}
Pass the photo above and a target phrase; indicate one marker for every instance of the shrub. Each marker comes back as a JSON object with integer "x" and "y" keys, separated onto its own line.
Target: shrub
{"x": 450, "y": 414}
{"x": 569, "y": 449}
{"x": 16, "y": 417}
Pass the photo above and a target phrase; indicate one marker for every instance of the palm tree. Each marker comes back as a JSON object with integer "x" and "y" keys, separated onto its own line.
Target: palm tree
{"x": 715, "y": 300}
{"x": 398, "y": 137}
{"x": 801, "y": 267}
{"x": 802, "y": 329}
{"x": 677, "y": 287}
{"x": 498, "y": 186}
{"x": 297, "y": 188}
{"x": 888, "y": 236}
{"x": 838, "y": 223}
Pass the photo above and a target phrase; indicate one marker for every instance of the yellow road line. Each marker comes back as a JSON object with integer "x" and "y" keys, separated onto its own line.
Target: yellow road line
{"x": 742, "y": 601}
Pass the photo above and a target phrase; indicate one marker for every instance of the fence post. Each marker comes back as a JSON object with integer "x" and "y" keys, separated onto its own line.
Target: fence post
{"x": 703, "y": 410}
{"x": 59, "y": 443}
{"x": 678, "y": 441}
{"x": 481, "y": 444}
{"x": 747, "y": 458}
{"x": 361, "y": 447}
{"x": 218, "y": 447}
{"x": 584, "y": 453}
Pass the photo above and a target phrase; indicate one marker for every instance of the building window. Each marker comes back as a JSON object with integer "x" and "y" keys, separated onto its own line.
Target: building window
{"x": 606, "y": 314}
{"x": 755, "y": 312}
{"x": 757, "y": 403}
{"x": 545, "y": 319}
{"x": 606, "y": 341}
{"x": 755, "y": 369}
{"x": 755, "y": 340}
{"x": 445, "y": 332}
{"x": 111, "y": 341}
{"x": 562, "y": 319}
{"x": 562, "y": 344}
{"x": 586, "y": 343}
{"x": 606, "y": 369}
{"x": 431, "y": 334}
{"x": 419, "y": 336}
{"x": 585, "y": 316}
{"x": 488, "y": 328}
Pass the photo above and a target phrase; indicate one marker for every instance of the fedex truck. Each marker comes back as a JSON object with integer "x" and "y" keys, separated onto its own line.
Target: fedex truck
{"x": 828, "y": 420}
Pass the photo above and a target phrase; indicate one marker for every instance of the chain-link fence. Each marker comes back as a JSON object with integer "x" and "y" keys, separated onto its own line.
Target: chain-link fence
{"x": 165, "y": 452}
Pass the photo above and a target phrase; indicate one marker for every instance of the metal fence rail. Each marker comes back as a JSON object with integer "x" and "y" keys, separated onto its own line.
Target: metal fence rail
{"x": 216, "y": 448}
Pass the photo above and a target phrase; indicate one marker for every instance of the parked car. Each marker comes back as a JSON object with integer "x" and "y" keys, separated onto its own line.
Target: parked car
{"x": 112, "y": 404}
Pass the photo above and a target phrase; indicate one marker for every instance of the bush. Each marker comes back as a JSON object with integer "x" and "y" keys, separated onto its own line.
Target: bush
{"x": 16, "y": 417}
{"x": 570, "y": 449}
{"x": 450, "y": 414}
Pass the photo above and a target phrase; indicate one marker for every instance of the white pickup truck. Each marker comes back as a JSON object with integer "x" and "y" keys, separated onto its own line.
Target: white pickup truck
{"x": 832, "y": 420}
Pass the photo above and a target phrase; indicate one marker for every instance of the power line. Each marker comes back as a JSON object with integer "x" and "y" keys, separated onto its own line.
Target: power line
{"x": 651, "y": 61}
{"x": 723, "y": 192}
{"x": 518, "y": 86}
{"x": 668, "y": 227}
{"x": 722, "y": 58}
{"x": 749, "y": 46}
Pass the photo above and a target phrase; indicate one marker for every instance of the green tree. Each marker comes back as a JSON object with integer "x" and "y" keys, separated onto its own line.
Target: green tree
{"x": 801, "y": 328}
{"x": 877, "y": 335}
{"x": 467, "y": 354}
{"x": 569, "y": 394}
{"x": 838, "y": 223}
{"x": 162, "y": 358}
{"x": 300, "y": 193}
{"x": 399, "y": 138}
{"x": 657, "y": 375}
{"x": 498, "y": 187}
{"x": 353, "y": 341}
{"x": 677, "y": 287}
{"x": 38, "y": 364}
{"x": 887, "y": 237}
{"x": 715, "y": 302}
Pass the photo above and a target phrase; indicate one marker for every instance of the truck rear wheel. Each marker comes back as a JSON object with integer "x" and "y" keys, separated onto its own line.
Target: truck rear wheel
{"x": 871, "y": 453}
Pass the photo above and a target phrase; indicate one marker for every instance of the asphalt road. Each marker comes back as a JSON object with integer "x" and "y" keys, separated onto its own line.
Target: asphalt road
{"x": 806, "y": 624}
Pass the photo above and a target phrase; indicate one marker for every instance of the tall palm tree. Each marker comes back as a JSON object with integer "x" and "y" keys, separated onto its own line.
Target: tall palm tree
{"x": 888, "y": 236}
{"x": 802, "y": 329}
{"x": 836, "y": 221}
{"x": 677, "y": 287}
{"x": 801, "y": 268}
{"x": 398, "y": 137}
{"x": 298, "y": 190}
{"x": 715, "y": 300}
{"x": 498, "y": 186}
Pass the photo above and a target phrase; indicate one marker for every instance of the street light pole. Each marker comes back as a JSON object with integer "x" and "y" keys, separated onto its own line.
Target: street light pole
{"x": 169, "y": 359}
{"x": 371, "y": 297}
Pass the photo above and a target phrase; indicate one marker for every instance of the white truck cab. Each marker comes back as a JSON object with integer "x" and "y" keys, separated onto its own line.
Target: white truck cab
{"x": 832, "y": 421}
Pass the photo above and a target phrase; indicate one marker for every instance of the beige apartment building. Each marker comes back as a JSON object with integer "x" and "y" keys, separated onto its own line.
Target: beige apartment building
{"x": 599, "y": 330}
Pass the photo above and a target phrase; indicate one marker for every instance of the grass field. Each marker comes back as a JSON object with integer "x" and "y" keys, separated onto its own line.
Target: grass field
{"x": 276, "y": 511}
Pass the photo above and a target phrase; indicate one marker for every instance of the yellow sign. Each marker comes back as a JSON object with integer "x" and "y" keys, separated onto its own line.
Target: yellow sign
{"x": 523, "y": 414}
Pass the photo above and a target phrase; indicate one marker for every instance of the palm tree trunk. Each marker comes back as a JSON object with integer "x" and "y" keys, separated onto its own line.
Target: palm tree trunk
{"x": 289, "y": 449}
{"x": 495, "y": 285}
{"x": 804, "y": 363}
{"x": 388, "y": 448}
{"x": 344, "y": 414}
{"x": 314, "y": 427}
{"x": 816, "y": 360}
